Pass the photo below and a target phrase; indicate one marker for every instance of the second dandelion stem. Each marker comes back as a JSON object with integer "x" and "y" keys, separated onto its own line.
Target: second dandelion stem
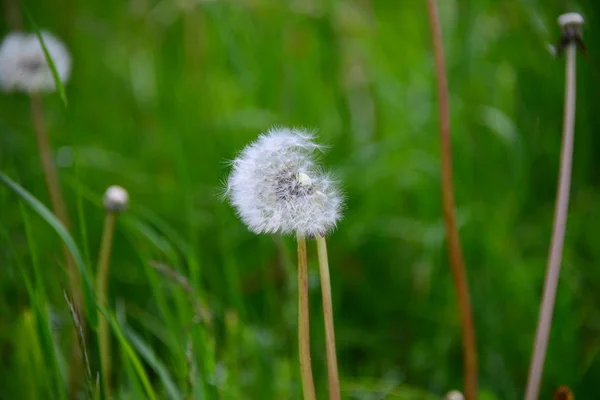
{"x": 558, "y": 233}
{"x": 308, "y": 386}
{"x": 332, "y": 367}
{"x": 53, "y": 184}
{"x": 60, "y": 210}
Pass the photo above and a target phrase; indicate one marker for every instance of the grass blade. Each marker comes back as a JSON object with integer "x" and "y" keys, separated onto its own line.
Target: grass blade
{"x": 130, "y": 353}
{"x": 44, "y": 212}
{"x": 59, "y": 86}
{"x": 147, "y": 354}
{"x": 46, "y": 340}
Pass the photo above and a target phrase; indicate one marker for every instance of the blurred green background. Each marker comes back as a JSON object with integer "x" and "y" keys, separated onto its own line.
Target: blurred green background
{"x": 164, "y": 93}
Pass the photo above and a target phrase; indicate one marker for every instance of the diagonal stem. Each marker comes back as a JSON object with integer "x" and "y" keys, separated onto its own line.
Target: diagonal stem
{"x": 308, "y": 386}
{"x": 558, "y": 233}
{"x": 332, "y": 367}
{"x": 454, "y": 249}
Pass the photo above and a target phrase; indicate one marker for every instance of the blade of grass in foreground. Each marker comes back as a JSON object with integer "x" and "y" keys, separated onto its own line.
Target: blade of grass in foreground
{"x": 130, "y": 353}
{"x": 37, "y": 297}
{"x": 46, "y": 340}
{"x": 148, "y": 354}
{"x": 44, "y": 212}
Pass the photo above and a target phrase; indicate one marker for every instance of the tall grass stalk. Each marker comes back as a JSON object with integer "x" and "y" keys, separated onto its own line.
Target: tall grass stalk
{"x": 308, "y": 386}
{"x": 457, "y": 263}
{"x": 558, "y": 232}
{"x": 332, "y": 367}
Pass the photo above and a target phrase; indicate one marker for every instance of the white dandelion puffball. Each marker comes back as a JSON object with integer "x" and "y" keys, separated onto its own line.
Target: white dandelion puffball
{"x": 277, "y": 187}
{"x": 23, "y": 64}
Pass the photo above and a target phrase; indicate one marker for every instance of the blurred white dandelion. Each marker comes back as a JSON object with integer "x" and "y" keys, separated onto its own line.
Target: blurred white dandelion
{"x": 23, "y": 64}
{"x": 276, "y": 186}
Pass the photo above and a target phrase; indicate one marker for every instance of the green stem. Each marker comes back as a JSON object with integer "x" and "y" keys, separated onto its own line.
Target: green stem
{"x": 101, "y": 290}
{"x": 332, "y": 367}
{"x": 308, "y": 386}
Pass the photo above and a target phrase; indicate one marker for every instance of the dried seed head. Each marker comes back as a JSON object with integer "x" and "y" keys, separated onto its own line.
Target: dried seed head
{"x": 23, "y": 64}
{"x": 276, "y": 186}
{"x": 116, "y": 199}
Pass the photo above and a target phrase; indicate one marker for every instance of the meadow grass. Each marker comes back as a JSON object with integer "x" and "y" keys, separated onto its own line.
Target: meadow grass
{"x": 163, "y": 94}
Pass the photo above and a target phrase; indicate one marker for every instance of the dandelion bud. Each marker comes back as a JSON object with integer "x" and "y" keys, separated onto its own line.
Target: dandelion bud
{"x": 115, "y": 199}
{"x": 23, "y": 64}
{"x": 571, "y": 18}
{"x": 454, "y": 395}
{"x": 276, "y": 186}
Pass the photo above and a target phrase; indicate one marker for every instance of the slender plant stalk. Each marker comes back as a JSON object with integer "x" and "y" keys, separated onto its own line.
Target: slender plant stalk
{"x": 56, "y": 197}
{"x": 454, "y": 248}
{"x": 101, "y": 289}
{"x": 308, "y": 386}
{"x": 558, "y": 233}
{"x": 60, "y": 210}
{"x": 332, "y": 367}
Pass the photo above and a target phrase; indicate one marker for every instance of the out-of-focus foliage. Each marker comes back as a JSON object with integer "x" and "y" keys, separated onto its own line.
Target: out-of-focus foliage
{"x": 163, "y": 93}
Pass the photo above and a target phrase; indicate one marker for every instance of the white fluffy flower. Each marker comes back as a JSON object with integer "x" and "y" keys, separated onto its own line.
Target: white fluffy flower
{"x": 276, "y": 186}
{"x": 23, "y": 64}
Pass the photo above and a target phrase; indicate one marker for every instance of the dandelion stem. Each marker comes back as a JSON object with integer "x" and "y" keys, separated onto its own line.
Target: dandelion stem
{"x": 308, "y": 386}
{"x": 101, "y": 289}
{"x": 454, "y": 248}
{"x": 332, "y": 368}
{"x": 60, "y": 210}
{"x": 558, "y": 232}
{"x": 56, "y": 197}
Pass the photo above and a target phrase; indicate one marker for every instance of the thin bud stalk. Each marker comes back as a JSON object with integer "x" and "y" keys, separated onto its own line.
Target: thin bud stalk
{"x": 308, "y": 386}
{"x": 101, "y": 293}
{"x": 558, "y": 232}
{"x": 332, "y": 367}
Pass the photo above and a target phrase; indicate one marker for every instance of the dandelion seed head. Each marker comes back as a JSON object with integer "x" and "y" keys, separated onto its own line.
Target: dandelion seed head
{"x": 571, "y": 18}
{"x": 23, "y": 64}
{"x": 276, "y": 186}
{"x": 116, "y": 199}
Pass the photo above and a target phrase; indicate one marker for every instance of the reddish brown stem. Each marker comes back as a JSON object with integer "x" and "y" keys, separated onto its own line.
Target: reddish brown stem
{"x": 454, "y": 249}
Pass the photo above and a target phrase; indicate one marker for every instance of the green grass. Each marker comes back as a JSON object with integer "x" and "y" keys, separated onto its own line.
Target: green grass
{"x": 161, "y": 97}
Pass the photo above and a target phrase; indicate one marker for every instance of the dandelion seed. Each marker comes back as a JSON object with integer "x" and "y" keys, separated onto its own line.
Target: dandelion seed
{"x": 23, "y": 64}
{"x": 277, "y": 187}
